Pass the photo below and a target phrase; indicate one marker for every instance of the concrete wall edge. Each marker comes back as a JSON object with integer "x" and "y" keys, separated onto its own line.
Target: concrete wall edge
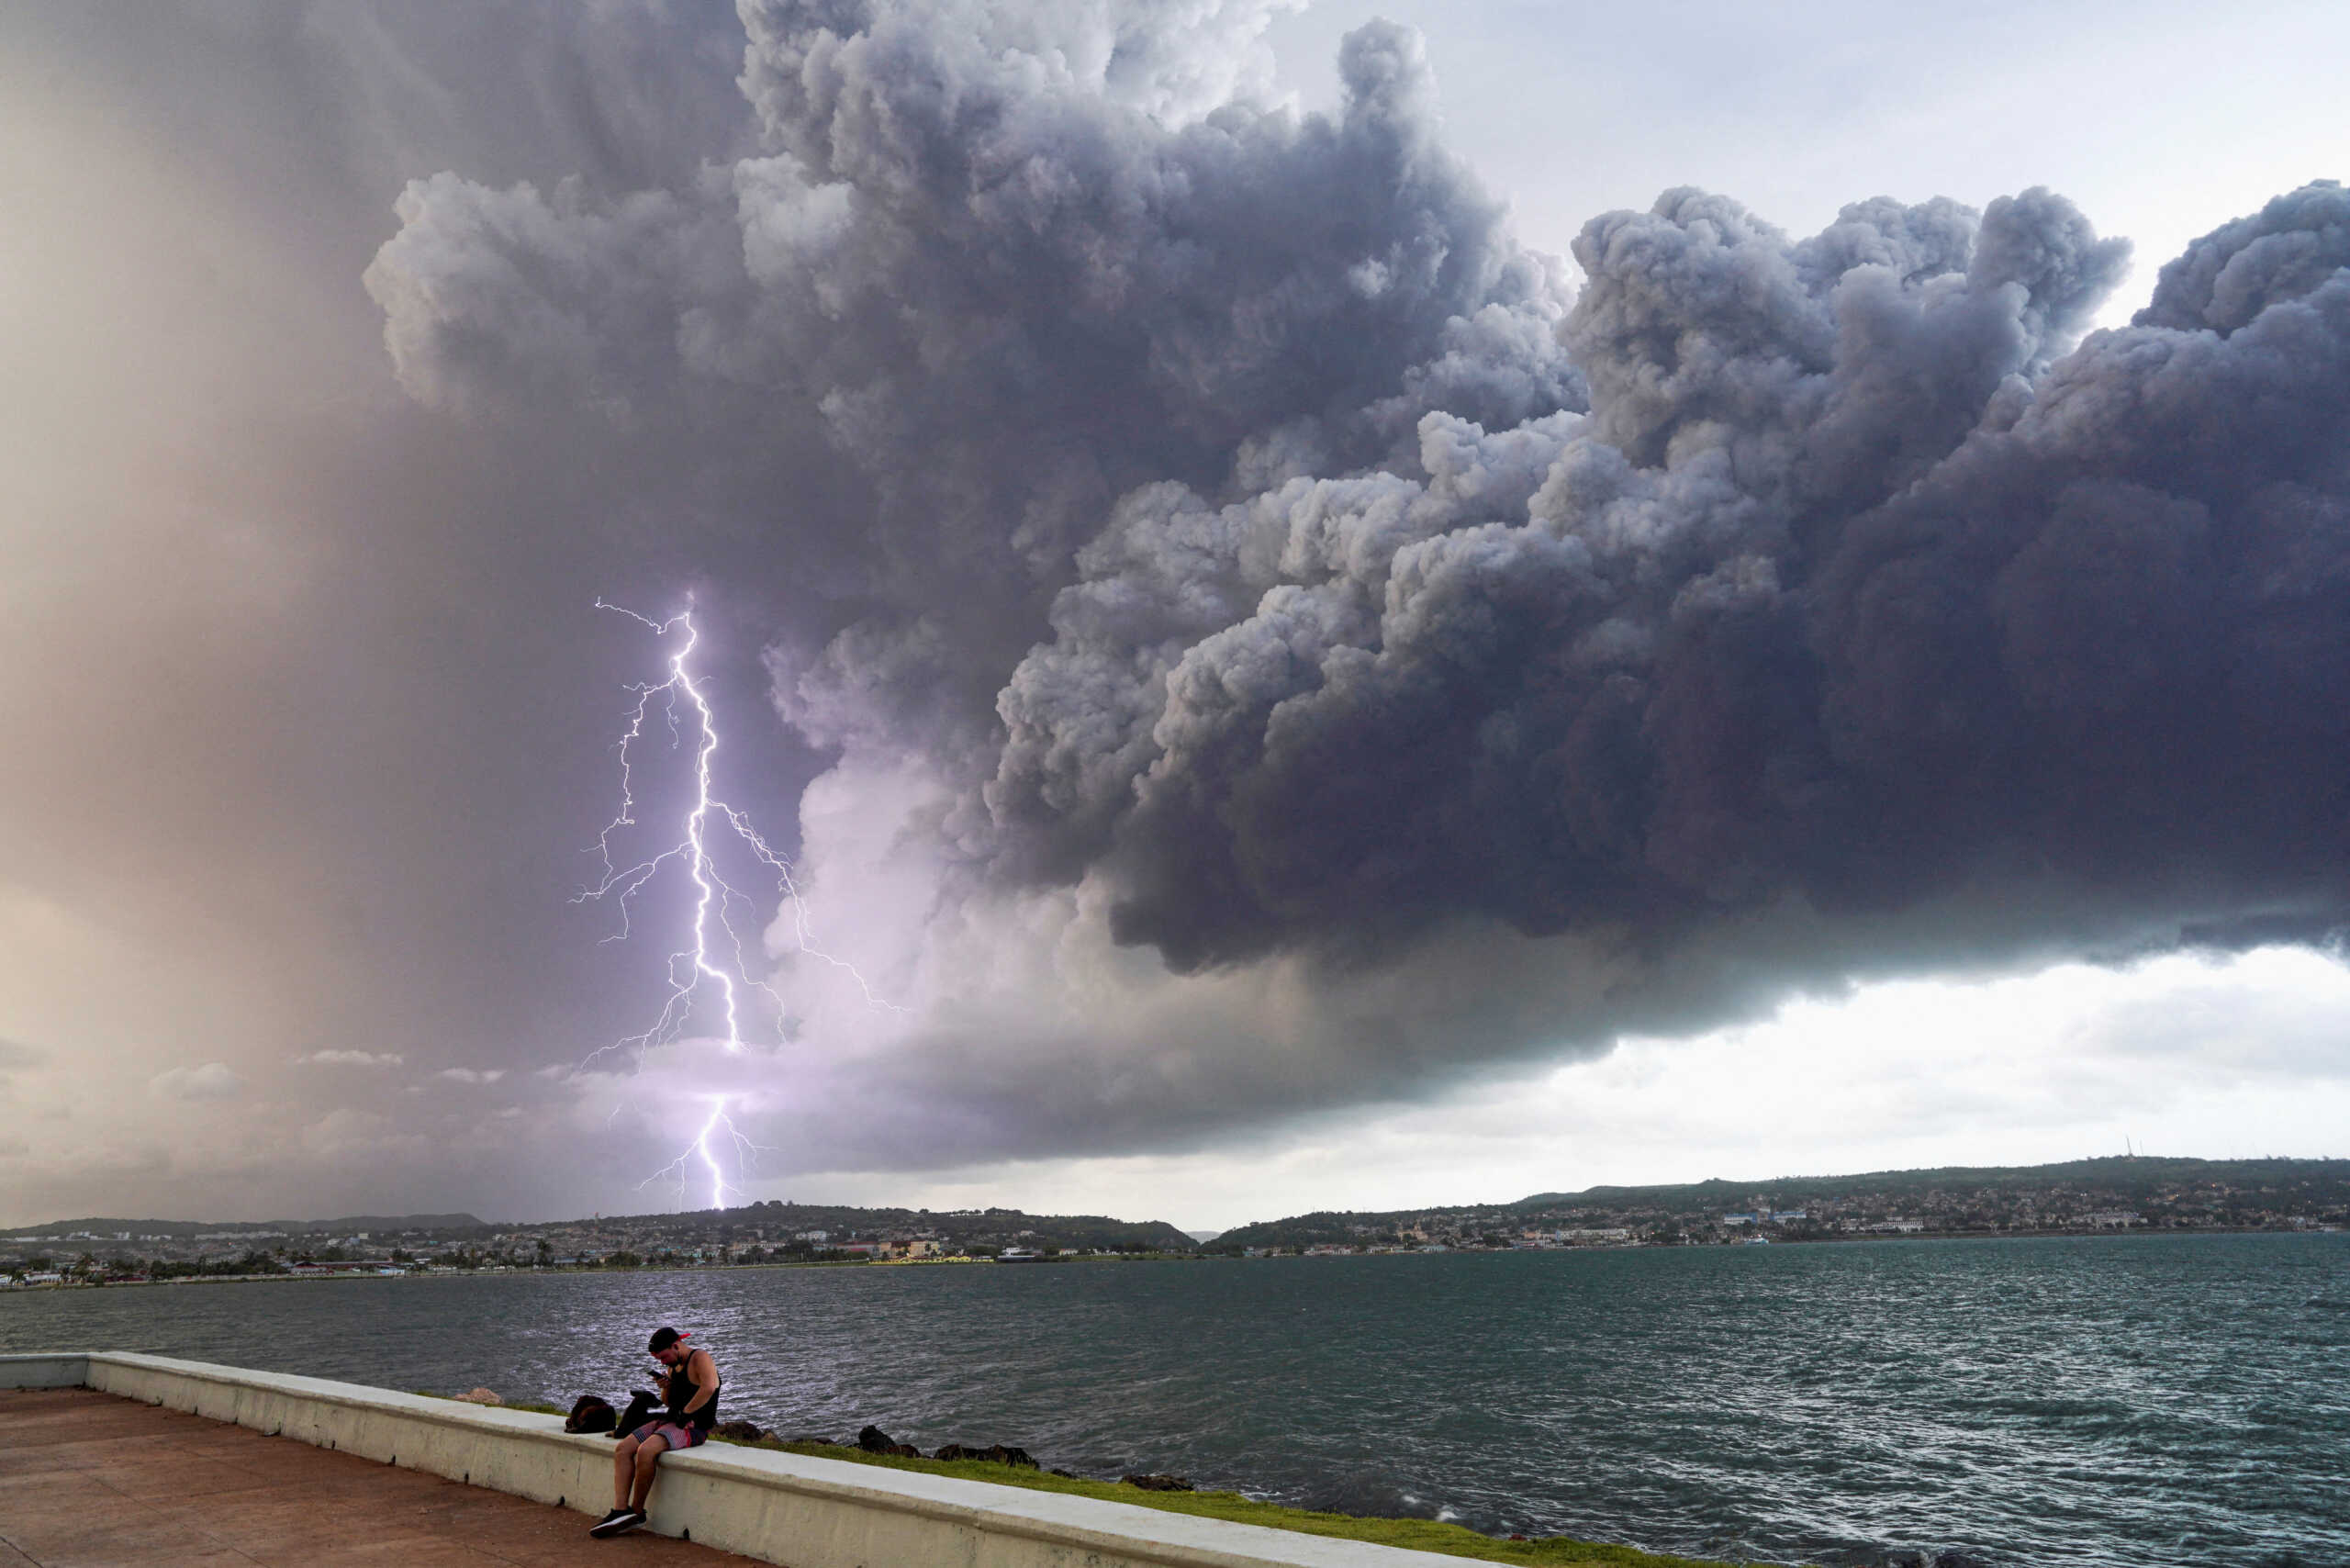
{"x": 58, "y": 1369}
{"x": 760, "y": 1503}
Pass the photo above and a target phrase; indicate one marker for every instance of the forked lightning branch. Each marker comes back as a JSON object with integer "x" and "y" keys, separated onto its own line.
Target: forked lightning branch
{"x": 709, "y": 975}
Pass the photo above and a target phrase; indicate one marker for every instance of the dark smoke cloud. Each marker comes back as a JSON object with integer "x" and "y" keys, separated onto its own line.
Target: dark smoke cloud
{"x": 1847, "y": 588}
{"x": 1182, "y": 520}
{"x": 1256, "y": 540}
{"x": 1016, "y": 264}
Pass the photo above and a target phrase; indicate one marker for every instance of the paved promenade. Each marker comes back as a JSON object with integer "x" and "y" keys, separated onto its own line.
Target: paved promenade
{"x": 91, "y": 1481}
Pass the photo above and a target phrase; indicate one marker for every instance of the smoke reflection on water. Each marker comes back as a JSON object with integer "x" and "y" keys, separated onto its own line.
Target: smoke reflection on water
{"x": 2091, "y": 1402}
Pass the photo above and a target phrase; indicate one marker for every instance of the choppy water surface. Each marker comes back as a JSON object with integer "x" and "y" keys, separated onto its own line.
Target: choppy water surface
{"x": 2116, "y": 1401}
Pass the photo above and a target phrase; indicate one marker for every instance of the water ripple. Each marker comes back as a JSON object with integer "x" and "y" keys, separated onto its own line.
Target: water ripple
{"x": 2090, "y": 1403}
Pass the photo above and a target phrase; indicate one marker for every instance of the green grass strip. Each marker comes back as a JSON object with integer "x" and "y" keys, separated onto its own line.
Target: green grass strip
{"x": 1416, "y": 1535}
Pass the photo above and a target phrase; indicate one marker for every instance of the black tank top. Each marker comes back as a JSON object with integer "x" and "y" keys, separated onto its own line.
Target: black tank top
{"x": 681, "y": 1387}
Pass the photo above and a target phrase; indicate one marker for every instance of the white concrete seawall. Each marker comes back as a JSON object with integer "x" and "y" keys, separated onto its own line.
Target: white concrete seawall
{"x": 777, "y": 1508}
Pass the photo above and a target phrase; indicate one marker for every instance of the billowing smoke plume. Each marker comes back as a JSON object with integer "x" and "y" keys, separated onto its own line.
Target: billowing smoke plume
{"x": 1258, "y": 540}
{"x": 1848, "y": 587}
{"x": 1018, "y": 260}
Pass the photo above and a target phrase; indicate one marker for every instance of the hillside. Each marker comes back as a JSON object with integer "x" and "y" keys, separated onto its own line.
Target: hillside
{"x": 2153, "y": 1191}
{"x": 959, "y": 1226}
{"x": 2123, "y": 1176}
{"x": 769, "y": 1225}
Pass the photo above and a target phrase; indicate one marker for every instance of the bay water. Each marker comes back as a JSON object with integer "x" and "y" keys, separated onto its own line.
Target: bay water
{"x": 2107, "y": 1401}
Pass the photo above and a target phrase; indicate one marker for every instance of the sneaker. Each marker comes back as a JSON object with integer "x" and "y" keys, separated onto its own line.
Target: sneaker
{"x": 616, "y": 1521}
{"x": 628, "y": 1522}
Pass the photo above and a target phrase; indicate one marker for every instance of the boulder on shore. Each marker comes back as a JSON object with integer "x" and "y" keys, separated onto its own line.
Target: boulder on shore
{"x": 1158, "y": 1482}
{"x": 480, "y": 1397}
{"x": 739, "y": 1432}
{"x": 873, "y": 1440}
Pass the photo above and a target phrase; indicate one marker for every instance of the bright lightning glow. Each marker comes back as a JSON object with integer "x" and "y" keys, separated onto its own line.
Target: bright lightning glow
{"x": 709, "y": 967}
{"x": 720, "y": 1188}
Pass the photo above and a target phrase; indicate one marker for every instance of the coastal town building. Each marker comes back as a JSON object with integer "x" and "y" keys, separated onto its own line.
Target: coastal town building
{"x": 2135, "y": 1195}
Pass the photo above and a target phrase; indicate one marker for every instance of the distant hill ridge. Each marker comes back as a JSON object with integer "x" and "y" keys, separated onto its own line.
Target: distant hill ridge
{"x": 2122, "y": 1177}
{"x": 2113, "y": 1170}
{"x": 776, "y": 1218}
{"x": 948, "y": 1225}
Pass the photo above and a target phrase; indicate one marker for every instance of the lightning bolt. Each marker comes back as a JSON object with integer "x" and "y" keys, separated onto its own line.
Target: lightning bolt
{"x": 709, "y": 962}
{"x": 721, "y": 1188}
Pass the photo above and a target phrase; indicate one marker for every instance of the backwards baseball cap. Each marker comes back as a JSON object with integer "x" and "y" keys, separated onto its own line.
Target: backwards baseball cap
{"x": 665, "y": 1338}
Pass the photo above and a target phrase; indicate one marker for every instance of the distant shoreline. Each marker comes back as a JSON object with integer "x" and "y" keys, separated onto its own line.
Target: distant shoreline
{"x": 683, "y": 1267}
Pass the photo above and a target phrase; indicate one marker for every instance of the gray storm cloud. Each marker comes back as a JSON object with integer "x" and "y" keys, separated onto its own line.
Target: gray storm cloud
{"x": 1017, "y": 262}
{"x": 1252, "y": 536}
{"x": 1853, "y": 585}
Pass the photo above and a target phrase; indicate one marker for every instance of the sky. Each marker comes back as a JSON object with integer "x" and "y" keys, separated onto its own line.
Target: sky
{"x": 1339, "y": 607}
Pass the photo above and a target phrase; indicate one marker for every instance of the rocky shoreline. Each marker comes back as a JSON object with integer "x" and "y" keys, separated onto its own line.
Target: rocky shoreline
{"x": 872, "y": 1439}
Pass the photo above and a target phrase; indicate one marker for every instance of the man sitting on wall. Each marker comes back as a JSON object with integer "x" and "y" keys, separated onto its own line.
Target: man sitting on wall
{"x": 691, "y": 1390}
